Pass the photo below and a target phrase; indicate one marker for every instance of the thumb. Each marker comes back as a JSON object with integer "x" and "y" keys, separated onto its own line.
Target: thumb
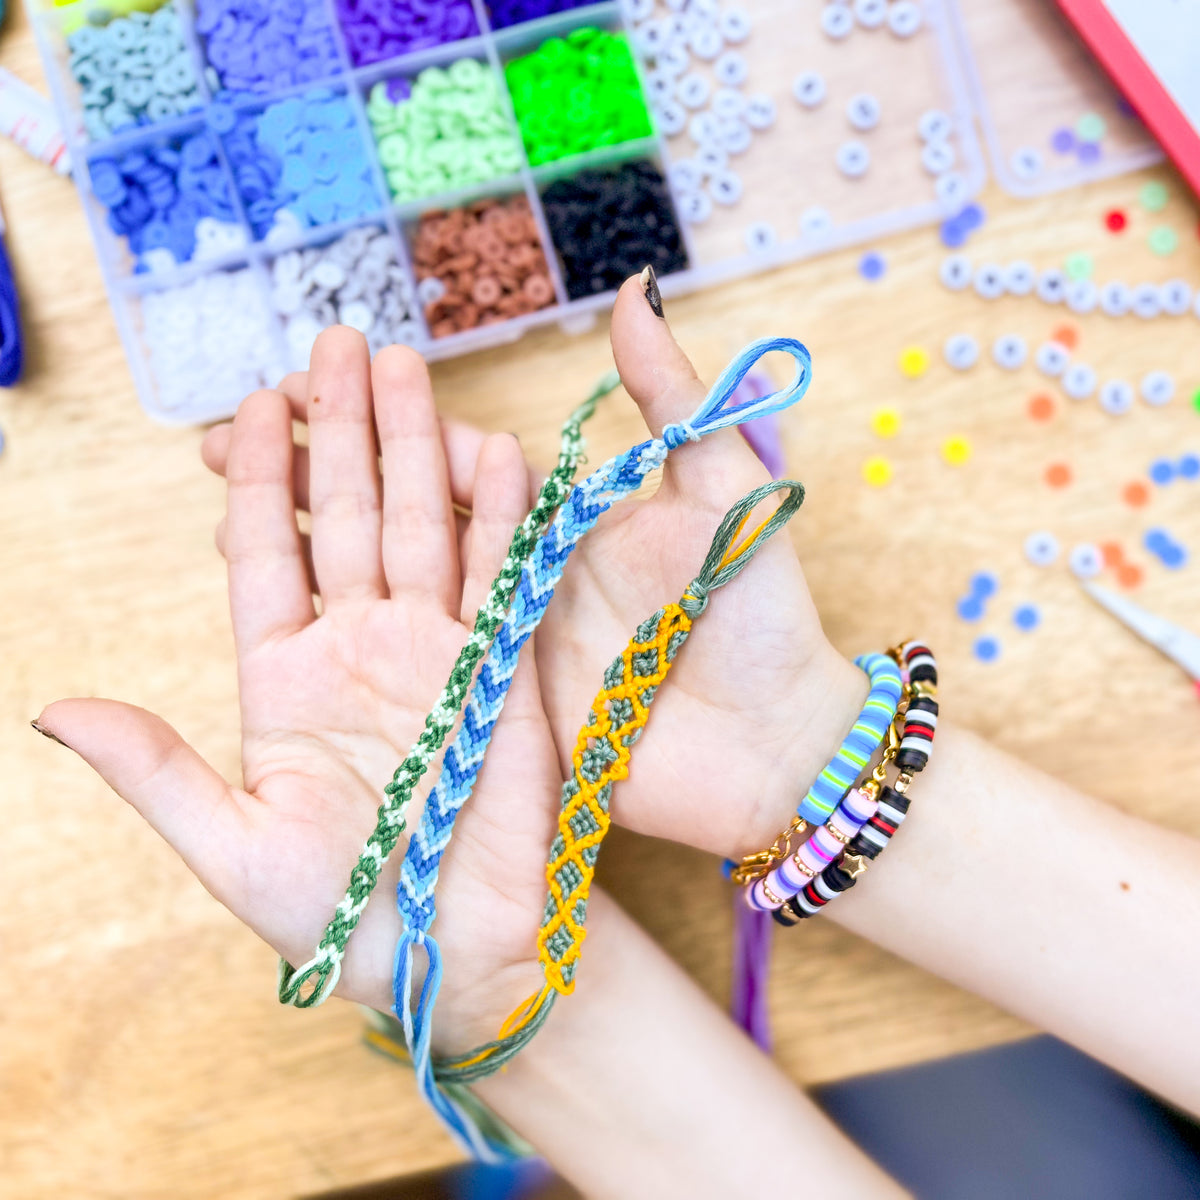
{"x": 664, "y": 385}
{"x": 148, "y": 764}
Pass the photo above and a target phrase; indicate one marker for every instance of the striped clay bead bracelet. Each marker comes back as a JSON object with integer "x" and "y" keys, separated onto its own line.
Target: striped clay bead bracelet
{"x": 862, "y": 821}
{"x": 889, "y": 808}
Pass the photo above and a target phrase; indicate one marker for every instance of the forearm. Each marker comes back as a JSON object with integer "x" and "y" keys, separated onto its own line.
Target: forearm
{"x": 639, "y": 1086}
{"x": 1077, "y": 917}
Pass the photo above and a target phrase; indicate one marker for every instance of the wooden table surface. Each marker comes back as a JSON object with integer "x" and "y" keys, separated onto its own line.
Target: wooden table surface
{"x": 142, "y": 1052}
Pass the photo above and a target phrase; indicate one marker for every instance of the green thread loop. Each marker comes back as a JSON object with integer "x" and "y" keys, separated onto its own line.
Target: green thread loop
{"x": 310, "y": 984}
{"x": 712, "y": 574}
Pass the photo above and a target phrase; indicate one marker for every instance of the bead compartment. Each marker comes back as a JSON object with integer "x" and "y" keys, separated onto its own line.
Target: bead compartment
{"x": 690, "y": 261}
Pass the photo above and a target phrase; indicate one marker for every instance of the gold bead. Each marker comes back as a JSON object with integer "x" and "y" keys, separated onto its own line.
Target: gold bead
{"x": 853, "y": 864}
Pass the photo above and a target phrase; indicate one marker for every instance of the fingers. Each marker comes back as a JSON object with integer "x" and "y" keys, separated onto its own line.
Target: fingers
{"x": 501, "y": 497}
{"x": 463, "y": 443}
{"x": 148, "y": 764}
{"x": 663, "y": 383}
{"x": 305, "y": 552}
{"x": 269, "y": 594}
{"x": 420, "y": 547}
{"x": 344, "y": 487}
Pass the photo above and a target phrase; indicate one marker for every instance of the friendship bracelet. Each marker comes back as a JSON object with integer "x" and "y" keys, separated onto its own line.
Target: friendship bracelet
{"x": 323, "y": 969}
{"x": 463, "y": 758}
{"x": 888, "y": 811}
{"x": 616, "y": 721}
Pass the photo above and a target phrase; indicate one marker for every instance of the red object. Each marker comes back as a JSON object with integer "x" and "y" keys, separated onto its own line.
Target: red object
{"x": 1122, "y": 59}
{"x": 1113, "y": 554}
{"x": 1116, "y": 220}
{"x": 1129, "y": 575}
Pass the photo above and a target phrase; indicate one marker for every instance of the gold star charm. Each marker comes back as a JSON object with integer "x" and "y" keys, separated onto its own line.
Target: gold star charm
{"x": 853, "y": 864}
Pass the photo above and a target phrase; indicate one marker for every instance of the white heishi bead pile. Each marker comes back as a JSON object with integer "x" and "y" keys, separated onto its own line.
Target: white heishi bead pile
{"x": 356, "y": 280}
{"x": 210, "y": 343}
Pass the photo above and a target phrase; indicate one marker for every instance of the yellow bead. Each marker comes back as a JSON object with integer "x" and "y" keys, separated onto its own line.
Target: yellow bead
{"x": 914, "y": 361}
{"x": 877, "y": 471}
{"x": 956, "y": 450}
{"x": 885, "y": 422}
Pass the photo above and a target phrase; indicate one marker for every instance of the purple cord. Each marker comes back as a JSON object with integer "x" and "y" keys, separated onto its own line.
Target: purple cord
{"x": 751, "y": 968}
{"x": 762, "y": 435}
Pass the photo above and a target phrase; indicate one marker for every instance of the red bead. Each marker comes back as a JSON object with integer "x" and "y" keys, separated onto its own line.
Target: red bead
{"x": 1116, "y": 220}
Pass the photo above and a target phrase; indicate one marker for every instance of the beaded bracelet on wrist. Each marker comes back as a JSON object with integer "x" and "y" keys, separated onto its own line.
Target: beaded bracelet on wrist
{"x": 778, "y": 875}
{"x": 888, "y": 811}
{"x": 602, "y": 753}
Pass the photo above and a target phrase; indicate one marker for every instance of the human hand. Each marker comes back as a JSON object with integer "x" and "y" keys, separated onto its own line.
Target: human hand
{"x": 760, "y": 700}
{"x": 330, "y": 703}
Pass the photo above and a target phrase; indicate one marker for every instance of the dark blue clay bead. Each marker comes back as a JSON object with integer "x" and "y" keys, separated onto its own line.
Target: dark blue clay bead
{"x": 608, "y": 224}
{"x": 380, "y": 29}
{"x": 512, "y": 12}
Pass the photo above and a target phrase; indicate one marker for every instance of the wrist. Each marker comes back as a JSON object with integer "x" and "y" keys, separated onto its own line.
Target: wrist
{"x": 823, "y": 707}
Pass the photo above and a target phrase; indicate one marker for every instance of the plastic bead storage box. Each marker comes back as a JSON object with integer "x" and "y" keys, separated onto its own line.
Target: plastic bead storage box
{"x": 449, "y": 173}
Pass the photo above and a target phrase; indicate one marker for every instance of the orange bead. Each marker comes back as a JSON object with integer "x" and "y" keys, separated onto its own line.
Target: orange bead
{"x": 1041, "y": 407}
{"x": 1066, "y": 335}
{"x": 1136, "y": 494}
{"x": 1113, "y": 554}
{"x": 1058, "y": 475}
{"x": 1129, "y": 575}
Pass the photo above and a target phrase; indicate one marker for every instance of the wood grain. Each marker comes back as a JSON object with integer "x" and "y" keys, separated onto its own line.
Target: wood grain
{"x": 142, "y": 1052}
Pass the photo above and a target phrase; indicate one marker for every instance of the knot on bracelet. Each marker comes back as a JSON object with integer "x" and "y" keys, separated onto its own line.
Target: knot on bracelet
{"x": 678, "y": 433}
{"x": 695, "y": 598}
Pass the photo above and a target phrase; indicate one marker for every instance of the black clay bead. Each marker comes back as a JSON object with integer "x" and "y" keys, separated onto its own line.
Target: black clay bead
{"x": 607, "y": 224}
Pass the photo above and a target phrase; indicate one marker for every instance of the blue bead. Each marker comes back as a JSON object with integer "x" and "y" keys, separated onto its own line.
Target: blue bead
{"x": 1162, "y": 471}
{"x": 297, "y": 174}
{"x": 1027, "y": 617}
{"x": 953, "y": 234}
{"x": 970, "y": 608}
{"x": 987, "y": 649}
{"x": 984, "y": 584}
{"x": 872, "y": 265}
{"x": 222, "y": 117}
{"x": 1189, "y": 466}
{"x": 971, "y": 217}
{"x": 1156, "y": 540}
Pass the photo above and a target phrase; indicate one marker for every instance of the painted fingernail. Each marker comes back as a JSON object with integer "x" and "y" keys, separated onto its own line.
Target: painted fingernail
{"x": 47, "y": 734}
{"x": 650, "y": 287}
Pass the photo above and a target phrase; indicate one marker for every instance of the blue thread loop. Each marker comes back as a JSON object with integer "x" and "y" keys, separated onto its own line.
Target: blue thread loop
{"x": 713, "y": 413}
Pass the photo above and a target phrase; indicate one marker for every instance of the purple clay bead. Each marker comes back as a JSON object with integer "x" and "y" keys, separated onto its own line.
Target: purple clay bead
{"x": 1089, "y": 153}
{"x": 399, "y": 89}
{"x": 1062, "y": 141}
{"x": 381, "y": 29}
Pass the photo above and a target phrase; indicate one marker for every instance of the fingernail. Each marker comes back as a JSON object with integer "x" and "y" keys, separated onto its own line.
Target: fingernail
{"x": 47, "y": 734}
{"x": 650, "y": 287}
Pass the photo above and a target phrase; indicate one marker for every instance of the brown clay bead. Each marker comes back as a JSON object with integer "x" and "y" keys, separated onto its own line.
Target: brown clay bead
{"x": 488, "y": 257}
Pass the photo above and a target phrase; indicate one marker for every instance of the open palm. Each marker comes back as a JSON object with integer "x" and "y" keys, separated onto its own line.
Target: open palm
{"x": 332, "y": 702}
{"x": 759, "y": 699}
